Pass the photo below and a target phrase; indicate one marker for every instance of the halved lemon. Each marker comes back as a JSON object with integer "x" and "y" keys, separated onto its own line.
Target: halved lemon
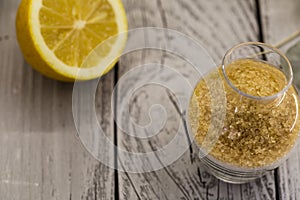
{"x": 59, "y": 37}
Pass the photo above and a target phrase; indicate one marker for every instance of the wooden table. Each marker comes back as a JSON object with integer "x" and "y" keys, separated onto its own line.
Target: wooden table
{"x": 42, "y": 158}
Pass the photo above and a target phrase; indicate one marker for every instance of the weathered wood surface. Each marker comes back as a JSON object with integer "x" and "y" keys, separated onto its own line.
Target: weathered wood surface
{"x": 218, "y": 25}
{"x": 40, "y": 154}
{"x": 280, "y": 19}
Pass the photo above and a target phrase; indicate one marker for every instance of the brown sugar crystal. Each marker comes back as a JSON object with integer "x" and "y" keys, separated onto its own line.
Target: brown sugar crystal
{"x": 255, "y": 132}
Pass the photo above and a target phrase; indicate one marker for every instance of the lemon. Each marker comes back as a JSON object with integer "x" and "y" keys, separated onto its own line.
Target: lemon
{"x": 59, "y": 37}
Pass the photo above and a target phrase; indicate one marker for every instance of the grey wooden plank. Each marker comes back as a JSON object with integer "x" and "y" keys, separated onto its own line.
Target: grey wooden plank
{"x": 40, "y": 155}
{"x": 281, "y": 19}
{"x": 218, "y": 25}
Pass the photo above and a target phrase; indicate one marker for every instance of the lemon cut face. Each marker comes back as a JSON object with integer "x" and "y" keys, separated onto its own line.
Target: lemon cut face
{"x": 57, "y": 36}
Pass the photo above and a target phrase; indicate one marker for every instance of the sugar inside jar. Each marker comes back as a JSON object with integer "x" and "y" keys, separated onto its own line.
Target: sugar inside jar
{"x": 261, "y": 124}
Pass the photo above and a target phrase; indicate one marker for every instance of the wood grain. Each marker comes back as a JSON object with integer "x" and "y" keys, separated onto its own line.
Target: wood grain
{"x": 218, "y": 25}
{"x": 281, "y": 19}
{"x": 40, "y": 155}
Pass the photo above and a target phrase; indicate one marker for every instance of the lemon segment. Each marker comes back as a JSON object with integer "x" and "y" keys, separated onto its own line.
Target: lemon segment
{"x": 57, "y": 36}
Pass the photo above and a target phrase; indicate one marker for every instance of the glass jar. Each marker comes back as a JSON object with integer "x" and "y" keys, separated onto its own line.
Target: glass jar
{"x": 261, "y": 124}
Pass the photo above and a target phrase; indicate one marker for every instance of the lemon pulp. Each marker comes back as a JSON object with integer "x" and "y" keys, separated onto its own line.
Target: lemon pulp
{"x": 56, "y": 36}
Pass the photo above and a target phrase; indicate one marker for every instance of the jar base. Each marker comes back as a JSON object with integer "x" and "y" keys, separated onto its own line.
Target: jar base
{"x": 231, "y": 176}
{"x": 233, "y": 179}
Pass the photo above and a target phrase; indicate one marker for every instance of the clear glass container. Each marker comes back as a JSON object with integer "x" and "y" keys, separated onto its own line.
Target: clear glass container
{"x": 261, "y": 124}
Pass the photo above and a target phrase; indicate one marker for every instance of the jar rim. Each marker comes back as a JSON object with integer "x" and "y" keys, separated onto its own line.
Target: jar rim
{"x": 258, "y": 44}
